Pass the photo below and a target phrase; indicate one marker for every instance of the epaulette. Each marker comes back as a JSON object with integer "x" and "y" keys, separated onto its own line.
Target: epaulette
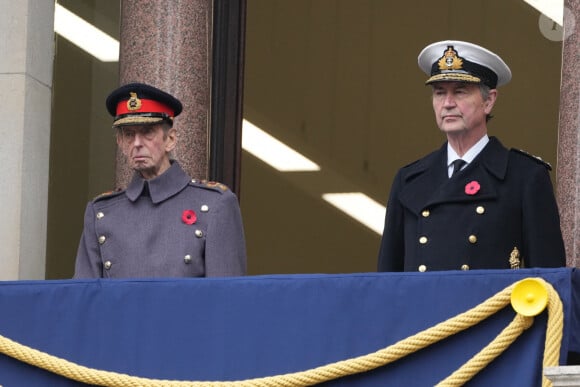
{"x": 535, "y": 158}
{"x": 107, "y": 194}
{"x": 213, "y": 185}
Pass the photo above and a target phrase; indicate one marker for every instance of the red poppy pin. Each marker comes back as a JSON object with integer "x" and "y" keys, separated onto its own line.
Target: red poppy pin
{"x": 189, "y": 217}
{"x": 472, "y": 188}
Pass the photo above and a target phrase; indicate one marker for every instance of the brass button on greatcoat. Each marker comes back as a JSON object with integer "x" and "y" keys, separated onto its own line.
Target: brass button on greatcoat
{"x": 198, "y": 233}
{"x": 422, "y": 268}
{"x": 465, "y": 267}
{"x": 423, "y": 240}
{"x": 187, "y": 258}
{"x": 425, "y": 213}
{"x": 472, "y": 239}
{"x": 100, "y": 215}
{"x": 108, "y": 265}
{"x": 480, "y": 210}
{"x": 204, "y": 208}
{"x": 102, "y": 239}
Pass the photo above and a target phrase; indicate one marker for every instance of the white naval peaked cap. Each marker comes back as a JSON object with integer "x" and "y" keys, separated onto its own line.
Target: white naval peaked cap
{"x": 455, "y": 60}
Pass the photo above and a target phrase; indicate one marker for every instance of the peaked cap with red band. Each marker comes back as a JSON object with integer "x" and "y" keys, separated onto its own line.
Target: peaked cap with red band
{"x": 141, "y": 104}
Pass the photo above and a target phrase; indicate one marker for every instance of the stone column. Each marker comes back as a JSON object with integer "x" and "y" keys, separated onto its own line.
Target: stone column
{"x": 167, "y": 44}
{"x": 27, "y": 47}
{"x": 568, "y": 171}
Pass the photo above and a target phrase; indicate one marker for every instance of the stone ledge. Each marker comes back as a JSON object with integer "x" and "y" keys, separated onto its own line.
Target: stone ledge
{"x": 563, "y": 376}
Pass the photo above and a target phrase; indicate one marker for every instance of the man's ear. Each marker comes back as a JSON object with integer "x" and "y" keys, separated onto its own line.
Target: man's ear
{"x": 171, "y": 140}
{"x": 490, "y": 101}
{"x": 118, "y": 137}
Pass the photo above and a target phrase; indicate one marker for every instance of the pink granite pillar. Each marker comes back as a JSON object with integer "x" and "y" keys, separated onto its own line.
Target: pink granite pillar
{"x": 568, "y": 171}
{"x": 168, "y": 44}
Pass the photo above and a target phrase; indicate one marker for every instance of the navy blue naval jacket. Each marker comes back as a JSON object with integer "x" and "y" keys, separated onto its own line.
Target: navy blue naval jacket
{"x": 169, "y": 226}
{"x": 434, "y": 222}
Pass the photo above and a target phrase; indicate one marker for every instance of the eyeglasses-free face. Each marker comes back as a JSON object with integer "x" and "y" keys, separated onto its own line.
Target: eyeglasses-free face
{"x": 128, "y": 133}
{"x": 147, "y": 147}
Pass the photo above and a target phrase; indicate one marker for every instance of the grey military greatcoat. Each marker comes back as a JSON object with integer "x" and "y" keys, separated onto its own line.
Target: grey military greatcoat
{"x": 501, "y": 204}
{"x": 169, "y": 226}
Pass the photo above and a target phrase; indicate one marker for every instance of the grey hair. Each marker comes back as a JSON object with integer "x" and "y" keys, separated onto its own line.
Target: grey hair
{"x": 484, "y": 90}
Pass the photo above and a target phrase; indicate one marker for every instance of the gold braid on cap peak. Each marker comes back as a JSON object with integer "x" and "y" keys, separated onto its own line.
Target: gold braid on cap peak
{"x": 454, "y": 77}
{"x": 139, "y": 120}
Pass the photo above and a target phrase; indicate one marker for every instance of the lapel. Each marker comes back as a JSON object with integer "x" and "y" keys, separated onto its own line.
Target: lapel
{"x": 426, "y": 182}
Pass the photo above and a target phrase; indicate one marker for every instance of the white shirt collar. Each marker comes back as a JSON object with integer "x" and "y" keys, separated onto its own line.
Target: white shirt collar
{"x": 468, "y": 156}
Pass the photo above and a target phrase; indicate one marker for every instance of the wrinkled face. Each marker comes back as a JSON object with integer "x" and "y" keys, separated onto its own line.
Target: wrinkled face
{"x": 460, "y": 107}
{"x": 147, "y": 147}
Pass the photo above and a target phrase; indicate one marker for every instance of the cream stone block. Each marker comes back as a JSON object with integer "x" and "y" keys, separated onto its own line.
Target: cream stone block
{"x": 11, "y": 152}
{"x": 35, "y": 174}
{"x": 27, "y": 29}
{"x": 563, "y": 376}
{"x": 24, "y": 156}
{"x": 13, "y": 25}
{"x": 26, "y": 66}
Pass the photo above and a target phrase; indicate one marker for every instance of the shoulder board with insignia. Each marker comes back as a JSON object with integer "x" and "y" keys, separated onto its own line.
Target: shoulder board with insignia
{"x": 213, "y": 185}
{"x": 107, "y": 194}
{"x": 535, "y": 158}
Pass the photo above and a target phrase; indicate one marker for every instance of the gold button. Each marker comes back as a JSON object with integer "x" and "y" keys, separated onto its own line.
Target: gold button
{"x": 108, "y": 265}
{"x": 465, "y": 267}
{"x": 187, "y": 258}
{"x": 198, "y": 233}
{"x": 100, "y": 215}
{"x": 423, "y": 240}
{"x": 480, "y": 210}
{"x": 204, "y": 208}
{"x": 422, "y": 268}
{"x": 102, "y": 239}
{"x": 425, "y": 213}
{"x": 472, "y": 239}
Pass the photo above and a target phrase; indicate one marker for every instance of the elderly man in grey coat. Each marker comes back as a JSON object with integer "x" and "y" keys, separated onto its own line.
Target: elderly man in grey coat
{"x": 165, "y": 224}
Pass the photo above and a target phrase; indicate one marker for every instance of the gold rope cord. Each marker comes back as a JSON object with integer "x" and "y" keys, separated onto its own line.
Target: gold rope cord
{"x": 342, "y": 368}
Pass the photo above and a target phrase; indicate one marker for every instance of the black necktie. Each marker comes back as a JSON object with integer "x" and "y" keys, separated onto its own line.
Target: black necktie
{"x": 457, "y": 164}
{"x": 145, "y": 192}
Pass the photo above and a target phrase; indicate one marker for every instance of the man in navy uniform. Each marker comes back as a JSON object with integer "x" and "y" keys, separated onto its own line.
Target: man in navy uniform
{"x": 472, "y": 204}
{"x": 164, "y": 224}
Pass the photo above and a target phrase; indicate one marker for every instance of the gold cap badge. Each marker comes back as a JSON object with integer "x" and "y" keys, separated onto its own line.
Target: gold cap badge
{"x": 133, "y": 103}
{"x": 450, "y": 60}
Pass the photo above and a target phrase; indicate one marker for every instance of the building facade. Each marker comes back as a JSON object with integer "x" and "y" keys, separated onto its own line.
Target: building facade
{"x": 335, "y": 80}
